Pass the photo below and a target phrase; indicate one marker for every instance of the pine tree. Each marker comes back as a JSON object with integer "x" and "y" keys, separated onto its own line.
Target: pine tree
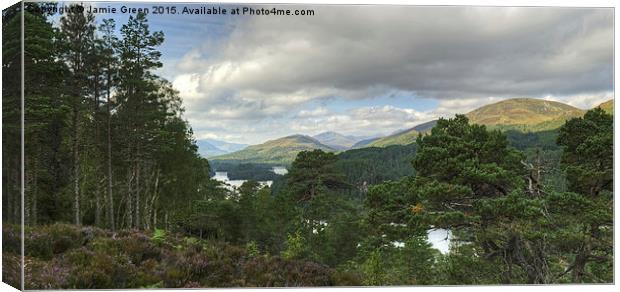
{"x": 587, "y": 208}
{"x": 471, "y": 182}
{"x": 138, "y": 103}
{"x": 77, "y": 35}
{"x": 109, "y": 42}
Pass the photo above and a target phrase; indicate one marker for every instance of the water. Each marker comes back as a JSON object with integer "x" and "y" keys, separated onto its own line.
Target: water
{"x": 222, "y": 176}
{"x": 439, "y": 239}
{"x": 279, "y": 170}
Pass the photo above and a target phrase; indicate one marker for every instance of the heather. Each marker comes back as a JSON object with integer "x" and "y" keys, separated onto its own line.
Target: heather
{"x": 63, "y": 256}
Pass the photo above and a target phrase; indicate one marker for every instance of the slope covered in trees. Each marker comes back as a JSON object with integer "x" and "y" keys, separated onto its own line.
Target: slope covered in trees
{"x": 107, "y": 143}
{"x": 280, "y": 151}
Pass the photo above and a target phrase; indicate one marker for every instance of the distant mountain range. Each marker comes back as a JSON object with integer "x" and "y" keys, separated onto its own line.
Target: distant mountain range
{"x": 403, "y": 137}
{"x": 211, "y": 147}
{"x": 521, "y": 114}
{"x": 524, "y": 114}
{"x": 338, "y": 141}
{"x": 608, "y": 106}
{"x": 279, "y": 151}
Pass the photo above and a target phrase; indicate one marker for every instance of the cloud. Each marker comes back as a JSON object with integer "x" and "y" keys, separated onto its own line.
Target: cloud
{"x": 583, "y": 101}
{"x": 271, "y": 67}
{"x": 362, "y": 121}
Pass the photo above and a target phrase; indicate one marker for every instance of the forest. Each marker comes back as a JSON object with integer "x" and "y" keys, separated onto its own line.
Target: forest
{"x": 117, "y": 196}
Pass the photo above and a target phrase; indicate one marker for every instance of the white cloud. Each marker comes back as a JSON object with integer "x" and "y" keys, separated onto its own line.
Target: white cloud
{"x": 269, "y": 70}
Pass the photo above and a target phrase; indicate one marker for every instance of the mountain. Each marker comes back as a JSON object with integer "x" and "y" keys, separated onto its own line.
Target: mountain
{"x": 403, "y": 137}
{"x": 425, "y": 127}
{"x": 211, "y": 147}
{"x": 364, "y": 143}
{"x": 337, "y": 140}
{"x": 524, "y": 114}
{"x": 607, "y": 106}
{"x": 521, "y": 114}
{"x": 206, "y": 149}
{"x": 279, "y": 151}
{"x": 226, "y": 146}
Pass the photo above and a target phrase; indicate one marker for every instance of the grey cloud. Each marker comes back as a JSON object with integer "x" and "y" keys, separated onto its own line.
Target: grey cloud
{"x": 430, "y": 50}
{"x": 270, "y": 65}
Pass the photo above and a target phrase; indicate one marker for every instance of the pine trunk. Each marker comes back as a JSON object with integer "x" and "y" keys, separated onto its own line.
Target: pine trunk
{"x": 76, "y": 170}
{"x": 130, "y": 201}
{"x": 110, "y": 203}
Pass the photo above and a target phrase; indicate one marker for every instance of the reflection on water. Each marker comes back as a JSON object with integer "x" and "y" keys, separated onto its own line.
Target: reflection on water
{"x": 222, "y": 176}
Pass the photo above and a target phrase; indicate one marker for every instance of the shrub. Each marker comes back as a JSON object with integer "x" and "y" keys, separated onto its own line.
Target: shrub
{"x": 251, "y": 249}
{"x": 88, "y": 258}
{"x": 11, "y": 269}
{"x": 159, "y": 236}
{"x": 295, "y": 246}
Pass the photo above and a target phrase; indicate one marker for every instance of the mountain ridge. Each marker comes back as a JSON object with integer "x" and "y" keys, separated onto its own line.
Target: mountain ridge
{"x": 524, "y": 114}
{"x": 277, "y": 151}
{"x": 607, "y": 106}
{"x": 211, "y": 147}
{"x": 521, "y": 114}
{"x": 404, "y": 137}
{"x": 336, "y": 140}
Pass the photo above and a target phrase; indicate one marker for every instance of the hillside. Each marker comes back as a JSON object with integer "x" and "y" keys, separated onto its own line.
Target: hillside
{"x": 206, "y": 149}
{"x": 373, "y": 165}
{"x": 403, "y": 137}
{"x": 337, "y": 140}
{"x": 62, "y": 256}
{"x": 211, "y": 147}
{"x": 400, "y": 138}
{"x": 279, "y": 151}
{"x": 607, "y": 106}
{"x": 524, "y": 114}
{"x": 364, "y": 143}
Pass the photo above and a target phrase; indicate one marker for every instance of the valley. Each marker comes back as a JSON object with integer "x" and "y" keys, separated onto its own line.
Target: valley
{"x": 265, "y": 152}
{"x": 524, "y": 115}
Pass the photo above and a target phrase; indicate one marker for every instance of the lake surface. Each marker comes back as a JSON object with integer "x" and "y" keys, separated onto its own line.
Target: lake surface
{"x": 279, "y": 170}
{"x": 232, "y": 184}
{"x": 439, "y": 239}
{"x": 222, "y": 176}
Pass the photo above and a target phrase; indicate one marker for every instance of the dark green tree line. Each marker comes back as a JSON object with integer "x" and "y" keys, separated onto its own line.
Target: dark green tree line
{"x": 106, "y": 141}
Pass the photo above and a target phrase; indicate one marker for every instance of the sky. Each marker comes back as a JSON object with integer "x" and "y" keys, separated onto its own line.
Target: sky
{"x": 372, "y": 70}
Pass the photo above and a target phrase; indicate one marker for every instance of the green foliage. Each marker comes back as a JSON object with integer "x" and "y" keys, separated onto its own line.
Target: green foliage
{"x": 373, "y": 270}
{"x": 295, "y": 246}
{"x": 103, "y": 261}
{"x": 372, "y": 165}
{"x": 245, "y": 171}
{"x": 470, "y": 181}
{"x": 107, "y": 145}
{"x": 97, "y": 116}
{"x": 463, "y": 267}
{"x": 586, "y": 211}
{"x": 402, "y": 138}
{"x": 252, "y": 249}
{"x": 311, "y": 171}
{"x": 389, "y": 217}
{"x": 214, "y": 219}
{"x": 588, "y": 146}
{"x": 159, "y": 236}
{"x": 281, "y": 151}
